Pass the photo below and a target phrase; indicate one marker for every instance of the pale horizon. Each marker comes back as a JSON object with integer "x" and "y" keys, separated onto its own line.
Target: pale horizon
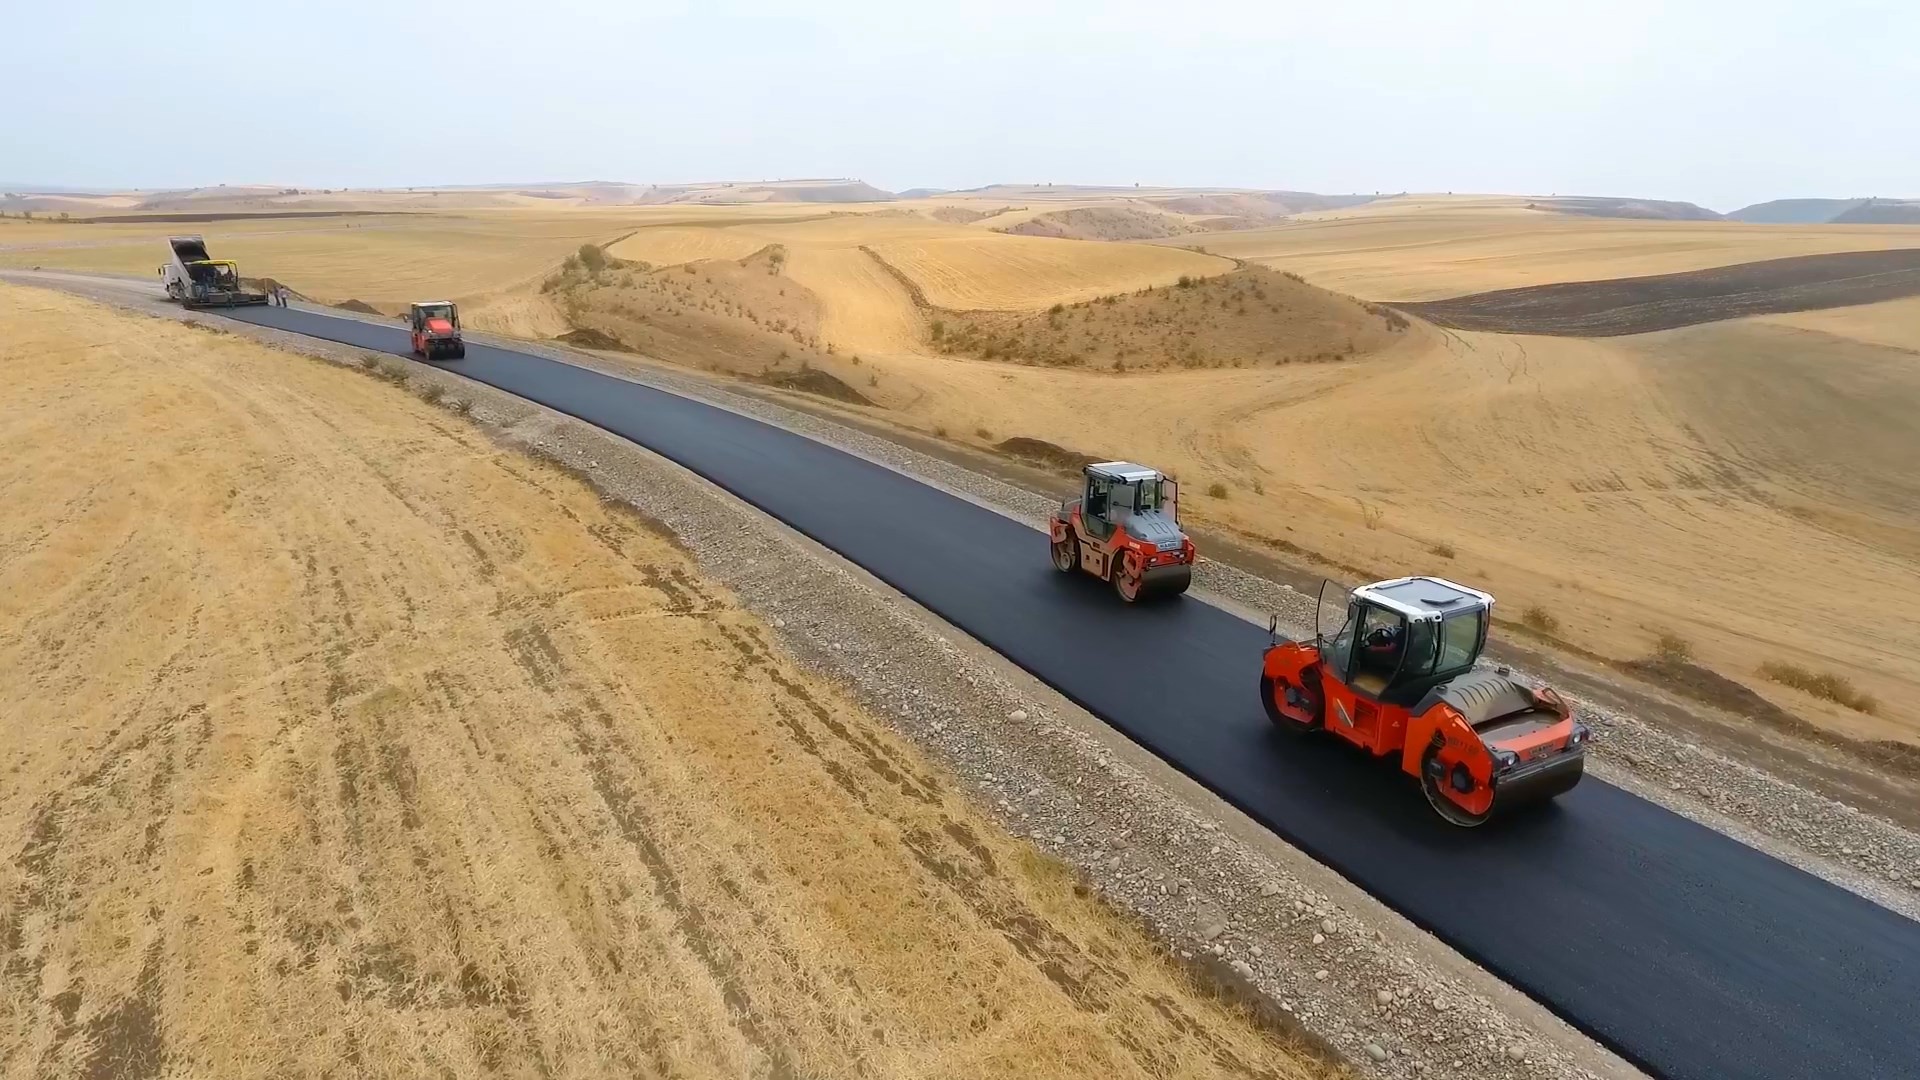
{"x": 1721, "y": 104}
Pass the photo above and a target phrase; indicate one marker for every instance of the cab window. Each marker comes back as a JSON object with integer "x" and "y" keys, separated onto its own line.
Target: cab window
{"x": 1460, "y": 640}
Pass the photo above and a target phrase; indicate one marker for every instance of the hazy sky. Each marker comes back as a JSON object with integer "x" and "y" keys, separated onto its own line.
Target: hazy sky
{"x": 1721, "y": 102}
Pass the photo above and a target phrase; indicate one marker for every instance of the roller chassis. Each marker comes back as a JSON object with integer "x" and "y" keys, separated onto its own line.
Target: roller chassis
{"x": 1123, "y": 529}
{"x": 434, "y": 327}
{"x": 1479, "y": 741}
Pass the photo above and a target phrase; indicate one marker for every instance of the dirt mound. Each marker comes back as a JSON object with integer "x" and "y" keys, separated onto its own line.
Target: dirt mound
{"x": 1246, "y": 317}
{"x": 360, "y": 306}
{"x": 739, "y": 315}
{"x": 1101, "y": 223}
{"x": 1640, "y": 305}
{"x": 586, "y": 337}
{"x": 1043, "y": 453}
{"x": 812, "y": 380}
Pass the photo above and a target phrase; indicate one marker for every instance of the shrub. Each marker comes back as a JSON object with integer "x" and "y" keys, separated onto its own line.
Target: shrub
{"x": 1444, "y": 550}
{"x": 1185, "y": 282}
{"x": 462, "y": 406}
{"x": 873, "y": 380}
{"x": 940, "y": 430}
{"x": 1056, "y": 309}
{"x": 592, "y": 258}
{"x": 1538, "y": 618}
{"x": 982, "y": 433}
{"x": 1821, "y": 684}
{"x": 1671, "y": 648}
{"x": 1217, "y": 490}
{"x": 938, "y": 329}
{"x": 431, "y": 393}
{"x": 370, "y": 361}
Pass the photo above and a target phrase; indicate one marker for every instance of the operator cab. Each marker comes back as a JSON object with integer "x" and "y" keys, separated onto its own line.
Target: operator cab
{"x": 1398, "y": 639}
{"x": 438, "y": 309}
{"x": 1119, "y": 490}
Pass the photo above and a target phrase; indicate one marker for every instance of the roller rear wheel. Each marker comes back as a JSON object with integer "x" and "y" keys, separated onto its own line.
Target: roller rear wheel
{"x": 1127, "y": 585}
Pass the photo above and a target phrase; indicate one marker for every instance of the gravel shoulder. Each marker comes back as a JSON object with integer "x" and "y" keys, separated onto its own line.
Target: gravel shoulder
{"x": 1224, "y": 894}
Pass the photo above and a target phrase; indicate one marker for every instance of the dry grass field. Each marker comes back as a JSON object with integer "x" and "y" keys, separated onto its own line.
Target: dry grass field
{"x": 348, "y": 743}
{"x": 1610, "y": 491}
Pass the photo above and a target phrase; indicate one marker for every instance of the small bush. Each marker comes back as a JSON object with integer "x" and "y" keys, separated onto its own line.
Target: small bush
{"x": 1537, "y": 618}
{"x": 1671, "y": 648}
{"x": 940, "y": 430}
{"x": 1185, "y": 282}
{"x": 370, "y": 361}
{"x": 1217, "y": 490}
{"x": 462, "y": 406}
{"x": 431, "y": 393}
{"x": 1258, "y": 487}
{"x": 982, "y": 433}
{"x": 874, "y": 379}
{"x": 938, "y": 329}
{"x": 1056, "y": 309}
{"x": 1821, "y": 684}
{"x": 592, "y": 258}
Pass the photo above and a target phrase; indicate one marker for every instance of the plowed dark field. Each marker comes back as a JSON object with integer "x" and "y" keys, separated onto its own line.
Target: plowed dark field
{"x": 1641, "y": 305}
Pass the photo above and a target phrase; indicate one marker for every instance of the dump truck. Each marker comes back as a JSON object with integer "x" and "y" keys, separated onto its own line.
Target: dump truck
{"x": 195, "y": 279}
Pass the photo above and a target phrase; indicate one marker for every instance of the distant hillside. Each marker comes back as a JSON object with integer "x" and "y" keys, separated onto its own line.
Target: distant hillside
{"x": 1264, "y": 204}
{"x": 1654, "y": 209}
{"x": 1101, "y": 223}
{"x": 833, "y": 190}
{"x": 1882, "y": 212}
{"x": 1795, "y": 211}
{"x": 923, "y": 192}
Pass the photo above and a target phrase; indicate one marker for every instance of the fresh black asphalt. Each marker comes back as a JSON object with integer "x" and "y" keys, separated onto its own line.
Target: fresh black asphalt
{"x": 1690, "y": 954}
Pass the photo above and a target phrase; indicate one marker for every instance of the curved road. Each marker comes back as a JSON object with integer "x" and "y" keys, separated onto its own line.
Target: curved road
{"x": 1691, "y": 955}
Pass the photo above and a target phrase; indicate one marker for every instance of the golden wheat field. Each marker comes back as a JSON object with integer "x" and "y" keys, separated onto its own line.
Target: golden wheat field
{"x": 361, "y": 746}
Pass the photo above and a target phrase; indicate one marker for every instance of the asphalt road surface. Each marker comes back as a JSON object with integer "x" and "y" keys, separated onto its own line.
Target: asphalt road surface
{"x": 1691, "y": 955}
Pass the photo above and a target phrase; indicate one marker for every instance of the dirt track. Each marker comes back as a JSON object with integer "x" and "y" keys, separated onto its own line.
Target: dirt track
{"x": 1642, "y": 305}
{"x": 352, "y": 744}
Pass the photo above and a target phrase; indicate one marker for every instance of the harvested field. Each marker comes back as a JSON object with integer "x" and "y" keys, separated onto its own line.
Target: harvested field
{"x": 1669, "y": 301}
{"x": 348, "y": 743}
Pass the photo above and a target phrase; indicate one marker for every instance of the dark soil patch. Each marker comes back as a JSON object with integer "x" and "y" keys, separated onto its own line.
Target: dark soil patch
{"x": 1641, "y": 305}
{"x": 1045, "y": 454}
{"x": 588, "y": 338}
{"x": 360, "y": 306}
{"x": 814, "y": 381}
